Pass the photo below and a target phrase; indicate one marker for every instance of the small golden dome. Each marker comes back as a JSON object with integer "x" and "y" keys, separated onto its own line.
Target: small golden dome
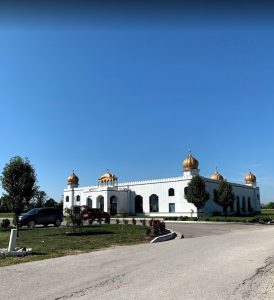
{"x": 107, "y": 177}
{"x": 217, "y": 176}
{"x": 190, "y": 163}
{"x": 73, "y": 179}
{"x": 250, "y": 178}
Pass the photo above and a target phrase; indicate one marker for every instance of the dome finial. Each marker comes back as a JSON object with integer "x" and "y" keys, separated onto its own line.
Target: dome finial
{"x": 190, "y": 163}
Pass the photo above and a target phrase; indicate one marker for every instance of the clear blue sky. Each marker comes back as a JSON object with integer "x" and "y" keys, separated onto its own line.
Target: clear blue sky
{"x": 134, "y": 97}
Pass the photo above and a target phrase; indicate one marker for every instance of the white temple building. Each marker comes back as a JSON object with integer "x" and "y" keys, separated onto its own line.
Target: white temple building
{"x": 160, "y": 197}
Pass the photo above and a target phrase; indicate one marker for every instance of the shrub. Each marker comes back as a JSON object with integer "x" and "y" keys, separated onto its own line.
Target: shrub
{"x": 195, "y": 219}
{"x": 5, "y": 223}
{"x": 159, "y": 227}
{"x": 143, "y": 222}
{"x": 117, "y": 221}
{"x": 125, "y": 222}
{"x": 133, "y": 221}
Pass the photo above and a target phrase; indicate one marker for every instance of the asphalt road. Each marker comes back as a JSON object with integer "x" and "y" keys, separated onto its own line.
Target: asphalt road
{"x": 198, "y": 229}
{"x": 233, "y": 265}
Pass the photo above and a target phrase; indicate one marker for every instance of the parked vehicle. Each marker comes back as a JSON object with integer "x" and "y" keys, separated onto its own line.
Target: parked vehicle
{"x": 44, "y": 216}
{"x": 92, "y": 214}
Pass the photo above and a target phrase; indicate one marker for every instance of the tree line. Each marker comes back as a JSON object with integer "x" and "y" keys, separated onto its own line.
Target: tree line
{"x": 21, "y": 190}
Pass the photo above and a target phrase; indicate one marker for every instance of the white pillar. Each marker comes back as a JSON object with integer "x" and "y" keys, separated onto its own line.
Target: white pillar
{"x": 12, "y": 242}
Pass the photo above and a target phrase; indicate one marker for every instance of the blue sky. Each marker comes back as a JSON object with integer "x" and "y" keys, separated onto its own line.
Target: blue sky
{"x": 133, "y": 98}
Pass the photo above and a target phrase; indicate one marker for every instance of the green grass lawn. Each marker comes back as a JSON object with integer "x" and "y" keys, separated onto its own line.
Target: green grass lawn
{"x": 53, "y": 242}
{"x": 268, "y": 211}
{"x": 6, "y": 215}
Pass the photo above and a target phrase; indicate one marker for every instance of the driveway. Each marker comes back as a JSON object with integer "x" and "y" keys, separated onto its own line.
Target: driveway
{"x": 233, "y": 265}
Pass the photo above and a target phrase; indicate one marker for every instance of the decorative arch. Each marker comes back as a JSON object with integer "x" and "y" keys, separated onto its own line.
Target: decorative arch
{"x": 171, "y": 192}
{"x": 139, "y": 204}
{"x": 154, "y": 203}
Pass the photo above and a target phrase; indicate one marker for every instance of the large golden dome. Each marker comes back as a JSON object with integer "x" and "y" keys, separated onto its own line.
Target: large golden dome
{"x": 250, "y": 178}
{"x": 217, "y": 176}
{"x": 73, "y": 179}
{"x": 190, "y": 163}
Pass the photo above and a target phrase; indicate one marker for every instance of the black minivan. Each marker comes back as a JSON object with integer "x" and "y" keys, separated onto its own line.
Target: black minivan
{"x": 44, "y": 216}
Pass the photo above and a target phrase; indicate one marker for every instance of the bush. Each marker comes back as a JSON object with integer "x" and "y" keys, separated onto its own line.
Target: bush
{"x": 133, "y": 221}
{"x": 5, "y": 223}
{"x": 117, "y": 221}
{"x": 143, "y": 222}
{"x": 195, "y": 219}
{"x": 125, "y": 222}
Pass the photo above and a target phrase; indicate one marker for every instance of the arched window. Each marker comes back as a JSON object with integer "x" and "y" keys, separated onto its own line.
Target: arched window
{"x": 78, "y": 198}
{"x": 100, "y": 202}
{"x": 171, "y": 192}
{"x": 243, "y": 204}
{"x": 215, "y": 195}
{"x": 89, "y": 202}
{"x": 138, "y": 204}
{"x": 113, "y": 205}
{"x": 232, "y": 206}
{"x": 238, "y": 205}
{"x": 185, "y": 191}
{"x": 154, "y": 203}
{"x": 67, "y": 199}
{"x": 249, "y": 206}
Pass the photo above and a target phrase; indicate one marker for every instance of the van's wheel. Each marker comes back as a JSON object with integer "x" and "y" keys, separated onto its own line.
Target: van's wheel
{"x": 31, "y": 224}
{"x": 57, "y": 222}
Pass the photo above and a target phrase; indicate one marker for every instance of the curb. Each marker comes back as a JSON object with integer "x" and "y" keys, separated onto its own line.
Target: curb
{"x": 166, "y": 237}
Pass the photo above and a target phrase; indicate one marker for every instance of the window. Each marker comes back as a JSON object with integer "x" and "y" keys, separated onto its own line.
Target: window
{"x": 185, "y": 191}
{"x": 154, "y": 203}
{"x": 232, "y": 206}
{"x": 249, "y": 206}
{"x": 171, "y": 192}
{"x": 238, "y": 205}
{"x": 67, "y": 199}
{"x": 89, "y": 202}
{"x": 138, "y": 204}
{"x": 215, "y": 195}
{"x": 171, "y": 207}
{"x": 78, "y": 198}
{"x": 243, "y": 204}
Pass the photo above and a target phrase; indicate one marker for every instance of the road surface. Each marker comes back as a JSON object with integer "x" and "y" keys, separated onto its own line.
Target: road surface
{"x": 234, "y": 265}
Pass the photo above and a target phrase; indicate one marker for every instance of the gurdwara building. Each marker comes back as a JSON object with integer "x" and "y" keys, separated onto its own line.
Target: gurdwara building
{"x": 160, "y": 197}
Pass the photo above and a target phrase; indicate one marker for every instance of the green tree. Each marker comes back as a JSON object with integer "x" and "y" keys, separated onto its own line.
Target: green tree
{"x": 39, "y": 199}
{"x": 225, "y": 195}
{"x": 4, "y": 203}
{"x": 196, "y": 193}
{"x": 51, "y": 203}
{"x": 19, "y": 181}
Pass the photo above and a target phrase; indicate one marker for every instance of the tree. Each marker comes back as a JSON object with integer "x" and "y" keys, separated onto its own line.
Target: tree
{"x": 39, "y": 199}
{"x": 196, "y": 193}
{"x": 4, "y": 203}
{"x": 51, "y": 203}
{"x": 225, "y": 195}
{"x": 19, "y": 181}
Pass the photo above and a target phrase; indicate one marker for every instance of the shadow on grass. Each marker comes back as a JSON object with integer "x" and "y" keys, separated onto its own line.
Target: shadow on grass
{"x": 87, "y": 233}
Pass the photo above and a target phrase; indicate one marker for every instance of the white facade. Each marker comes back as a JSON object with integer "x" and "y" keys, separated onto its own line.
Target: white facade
{"x": 158, "y": 197}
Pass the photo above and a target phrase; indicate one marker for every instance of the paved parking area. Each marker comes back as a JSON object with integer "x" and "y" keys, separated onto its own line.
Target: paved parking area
{"x": 191, "y": 230}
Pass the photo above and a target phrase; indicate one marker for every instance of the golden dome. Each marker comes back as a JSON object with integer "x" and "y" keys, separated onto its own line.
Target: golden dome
{"x": 190, "y": 163}
{"x": 107, "y": 177}
{"x": 73, "y": 179}
{"x": 217, "y": 176}
{"x": 250, "y": 178}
